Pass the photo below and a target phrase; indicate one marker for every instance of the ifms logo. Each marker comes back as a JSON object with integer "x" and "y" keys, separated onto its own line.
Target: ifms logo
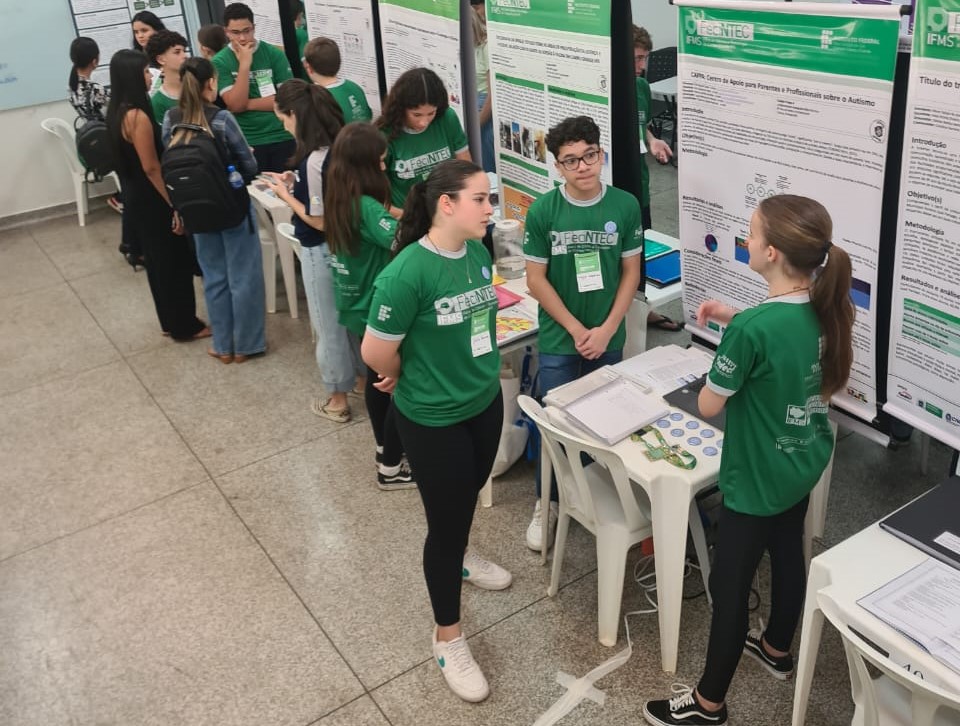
{"x": 952, "y": 419}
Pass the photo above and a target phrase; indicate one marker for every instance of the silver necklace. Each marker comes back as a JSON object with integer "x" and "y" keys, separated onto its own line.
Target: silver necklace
{"x": 466, "y": 257}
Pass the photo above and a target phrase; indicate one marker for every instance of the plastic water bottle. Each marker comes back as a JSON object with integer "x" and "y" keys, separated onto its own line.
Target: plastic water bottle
{"x": 233, "y": 176}
{"x": 508, "y": 249}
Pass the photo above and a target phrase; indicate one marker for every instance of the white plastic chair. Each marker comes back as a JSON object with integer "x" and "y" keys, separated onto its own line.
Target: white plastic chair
{"x": 895, "y": 697}
{"x": 268, "y": 247}
{"x": 287, "y": 230}
{"x": 599, "y": 496}
{"x": 68, "y": 143}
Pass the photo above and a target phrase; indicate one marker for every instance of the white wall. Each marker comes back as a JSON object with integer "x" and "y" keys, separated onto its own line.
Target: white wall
{"x": 659, "y": 17}
{"x": 34, "y": 171}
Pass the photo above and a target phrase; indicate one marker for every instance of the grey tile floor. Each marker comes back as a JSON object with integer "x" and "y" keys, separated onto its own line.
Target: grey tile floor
{"x": 182, "y": 542}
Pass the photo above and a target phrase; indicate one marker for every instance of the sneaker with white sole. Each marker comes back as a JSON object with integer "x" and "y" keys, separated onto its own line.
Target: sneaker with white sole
{"x": 684, "y": 708}
{"x": 484, "y": 574}
{"x": 535, "y": 528}
{"x": 390, "y": 478}
{"x": 780, "y": 668}
{"x": 459, "y": 669}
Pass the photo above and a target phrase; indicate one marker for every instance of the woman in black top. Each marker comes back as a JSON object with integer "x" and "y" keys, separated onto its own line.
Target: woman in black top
{"x": 136, "y": 146}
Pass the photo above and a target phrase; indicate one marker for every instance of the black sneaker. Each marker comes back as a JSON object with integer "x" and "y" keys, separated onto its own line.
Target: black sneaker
{"x": 682, "y": 709}
{"x": 780, "y": 668}
{"x": 403, "y": 479}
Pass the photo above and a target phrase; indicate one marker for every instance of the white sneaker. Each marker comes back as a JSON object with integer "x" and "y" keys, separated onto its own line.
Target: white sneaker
{"x": 459, "y": 669}
{"x": 535, "y": 529}
{"x": 484, "y": 574}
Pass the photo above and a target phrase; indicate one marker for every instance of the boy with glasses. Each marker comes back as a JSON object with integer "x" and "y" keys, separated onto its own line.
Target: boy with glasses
{"x": 248, "y": 74}
{"x": 582, "y": 243}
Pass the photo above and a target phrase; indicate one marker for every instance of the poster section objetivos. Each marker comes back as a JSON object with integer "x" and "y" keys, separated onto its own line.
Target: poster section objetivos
{"x": 923, "y": 381}
{"x": 549, "y": 59}
{"x": 791, "y": 99}
{"x": 423, "y": 34}
{"x": 108, "y": 23}
{"x": 349, "y": 23}
{"x": 266, "y": 16}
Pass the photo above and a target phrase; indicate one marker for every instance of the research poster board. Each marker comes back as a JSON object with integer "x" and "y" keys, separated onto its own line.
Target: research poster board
{"x": 266, "y": 16}
{"x": 923, "y": 379}
{"x": 423, "y": 34}
{"x": 109, "y": 23}
{"x": 349, "y": 23}
{"x": 783, "y": 98}
{"x": 549, "y": 59}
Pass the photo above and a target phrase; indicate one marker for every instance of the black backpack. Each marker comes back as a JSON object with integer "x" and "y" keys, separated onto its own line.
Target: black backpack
{"x": 195, "y": 174}
{"x": 94, "y": 149}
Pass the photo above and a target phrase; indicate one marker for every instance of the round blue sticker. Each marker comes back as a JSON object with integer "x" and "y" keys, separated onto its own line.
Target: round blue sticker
{"x": 485, "y": 271}
{"x": 694, "y": 441}
{"x": 676, "y": 432}
{"x": 663, "y": 423}
{"x": 709, "y": 451}
{"x": 693, "y": 425}
{"x": 676, "y": 416}
{"x": 719, "y": 443}
{"x": 707, "y": 433}
{"x": 610, "y": 226}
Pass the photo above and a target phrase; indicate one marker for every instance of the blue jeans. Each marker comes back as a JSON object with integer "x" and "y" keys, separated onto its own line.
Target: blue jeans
{"x": 556, "y": 370}
{"x": 233, "y": 287}
{"x": 338, "y": 355}
{"x": 487, "y": 153}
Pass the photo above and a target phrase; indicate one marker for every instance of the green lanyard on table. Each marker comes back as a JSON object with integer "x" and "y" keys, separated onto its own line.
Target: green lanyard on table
{"x": 674, "y": 454}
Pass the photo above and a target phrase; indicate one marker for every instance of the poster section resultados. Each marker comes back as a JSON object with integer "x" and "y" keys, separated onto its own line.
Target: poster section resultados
{"x": 923, "y": 383}
{"x": 423, "y": 34}
{"x": 784, "y": 103}
{"x": 349, "y": 23}
{"x": 549, "y": 59}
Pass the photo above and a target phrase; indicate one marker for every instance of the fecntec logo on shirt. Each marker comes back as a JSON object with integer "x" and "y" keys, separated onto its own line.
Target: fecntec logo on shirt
{"x": 562, "y": 242}
{"x": 408, "y": 168}
{"x": 450, "y": 310}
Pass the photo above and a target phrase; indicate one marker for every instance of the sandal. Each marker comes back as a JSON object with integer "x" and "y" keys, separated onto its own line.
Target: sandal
{"x": 664, "y": 323}
{"x": 321, "y": 408}
{"x": 222, "y": 357}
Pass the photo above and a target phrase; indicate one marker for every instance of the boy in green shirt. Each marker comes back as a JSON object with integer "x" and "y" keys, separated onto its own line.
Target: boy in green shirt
{"x": 248, "y": 74}
{"x": 583, "y": 244}
{"x": 166, "y": 49}
{"x": 321, "y": 59}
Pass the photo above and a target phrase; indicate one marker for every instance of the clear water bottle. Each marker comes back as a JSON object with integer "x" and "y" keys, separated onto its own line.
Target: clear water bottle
{"x": 233, "y": 176}
{"x": 508, "y": 248}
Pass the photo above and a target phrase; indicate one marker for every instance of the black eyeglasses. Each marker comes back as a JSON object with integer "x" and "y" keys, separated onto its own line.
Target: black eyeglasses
{"x": 572, "y": 163}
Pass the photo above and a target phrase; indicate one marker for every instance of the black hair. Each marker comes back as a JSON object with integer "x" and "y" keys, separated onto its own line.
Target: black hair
{"x": 213, "y": 37}
{"x": 162, "y": 41}
{"x": 319, "y": 116}
{"x": 147, "y": 18}
{"x": 571, "y": 130}
{"x": 416, "y": 87}
{"x": 448, "y": 177}
{"x": 195, "y": 73}
{"x": 127, "y": 92}
{"x": 83, "y": 52}
{"x": 236, "y": 11}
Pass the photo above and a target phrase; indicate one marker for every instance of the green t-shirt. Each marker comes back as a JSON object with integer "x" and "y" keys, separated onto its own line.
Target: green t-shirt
{"x": 565, "y": 234}
{"x": 443, "y": 308}
{"x": 777, "y": 439}
{"x": 352, "y": 100}
{"x": 353, "y": 276}
{"x": 411, "y": 157}
{"x": 268, "y": 70}
{"x": 162, "y": 103}
{"x": 643, "y": 115}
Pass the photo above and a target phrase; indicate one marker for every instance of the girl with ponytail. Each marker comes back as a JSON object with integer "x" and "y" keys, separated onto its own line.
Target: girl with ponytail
{"x": 88, "y": 98}
{"x": 230, "y": 258}
{"x": 313, "y": 117}
{"x": 777, "y": 366}
{"x": 431, "y": 337}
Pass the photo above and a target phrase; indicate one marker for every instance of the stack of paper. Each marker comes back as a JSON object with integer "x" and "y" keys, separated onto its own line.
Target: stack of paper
{"x": 667, "y": 367}
{"x": 607, "y": 405}
{"x": 924, "y": 605}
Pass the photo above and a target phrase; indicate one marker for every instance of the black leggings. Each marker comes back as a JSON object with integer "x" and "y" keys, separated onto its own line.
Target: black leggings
{"x": 451, "y": 464}
{"x": 741, "y": 541}
{"x": 382, "y": 420}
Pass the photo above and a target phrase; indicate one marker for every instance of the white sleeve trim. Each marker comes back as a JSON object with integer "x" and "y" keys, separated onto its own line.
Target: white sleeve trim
{"x": 460, "y": 151}
{"x": 631, "y": 253}
{"x": 541, "y": 260}
{"x": 719, "y": 390}
{"x": 392, "y": 337}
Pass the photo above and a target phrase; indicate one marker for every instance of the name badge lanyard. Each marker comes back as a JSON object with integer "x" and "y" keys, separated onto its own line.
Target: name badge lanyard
{"x": 671, "y": 453}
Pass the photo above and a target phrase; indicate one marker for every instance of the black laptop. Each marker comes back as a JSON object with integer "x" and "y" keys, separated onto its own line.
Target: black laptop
{"x": 931, "y": 522}
{"x": 685, "y": 398}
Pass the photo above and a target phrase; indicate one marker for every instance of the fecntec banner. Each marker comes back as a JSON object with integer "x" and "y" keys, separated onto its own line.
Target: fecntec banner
{"x": 423, "y": 34}
{"x": 549, "y": 59}
{"x": 923, "y": 384}
{"x": 783, "y": 98}
{"x": 349, "y": 23}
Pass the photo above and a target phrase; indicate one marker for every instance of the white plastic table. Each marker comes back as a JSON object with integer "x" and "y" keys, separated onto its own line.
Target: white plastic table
{"x": 844, "y": 574}
{"x": 281, "y": 212}
{"x": 657, "y": 296}
{"x": 664, "y": 89}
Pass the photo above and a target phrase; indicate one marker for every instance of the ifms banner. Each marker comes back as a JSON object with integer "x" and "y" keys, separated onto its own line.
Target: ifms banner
{"x": 923, "y": 374}
{"x": 779, "y": 98}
